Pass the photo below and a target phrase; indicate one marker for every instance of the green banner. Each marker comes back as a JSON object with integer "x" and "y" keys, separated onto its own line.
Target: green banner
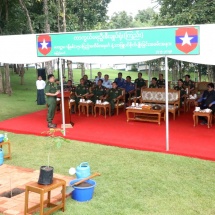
{"x": 157, "y": 41}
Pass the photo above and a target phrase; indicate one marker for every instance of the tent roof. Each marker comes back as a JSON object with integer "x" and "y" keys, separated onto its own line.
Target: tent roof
{"x": 20, "y": 49}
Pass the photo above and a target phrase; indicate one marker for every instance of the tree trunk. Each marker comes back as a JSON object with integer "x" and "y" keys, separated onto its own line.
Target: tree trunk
{"x": 6, "y": 11}
{"x": 82, "y": 70}
{"x": 48, "y": 66}
{"x": 199, "y": 73}
{"x": 1, "y": 82}
{"x": 64, "y": 15}
{"x": 22, "y": 73}
{"x": 58, "y": 17}
{"x": 70, "y": 72}
{"x": 27, "y": 14}
{"x": 7, "y": 79}
{"x": 46, "y": 14}
{"x": 64, "y": 67}
{"x": 213, "y": 73}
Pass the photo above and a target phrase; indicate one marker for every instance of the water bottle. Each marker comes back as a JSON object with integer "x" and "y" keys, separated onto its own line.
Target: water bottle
{"x": 5, "y": 137}
{"x": 1, "y": 157}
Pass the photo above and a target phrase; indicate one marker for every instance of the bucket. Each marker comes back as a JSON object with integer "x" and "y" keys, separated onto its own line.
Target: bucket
{"x": 83, "y": 170}
{"x": 1, "y": 157}
{"x": 83, "y": 194}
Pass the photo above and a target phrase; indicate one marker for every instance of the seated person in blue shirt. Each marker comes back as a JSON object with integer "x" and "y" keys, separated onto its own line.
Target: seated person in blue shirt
{"x": 207, "y": 100}
{"x": 129, "y": 88}
{"x": 120, "y": 81}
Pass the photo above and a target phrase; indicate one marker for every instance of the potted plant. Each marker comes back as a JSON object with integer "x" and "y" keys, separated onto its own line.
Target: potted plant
{"x": 46, "y": 172}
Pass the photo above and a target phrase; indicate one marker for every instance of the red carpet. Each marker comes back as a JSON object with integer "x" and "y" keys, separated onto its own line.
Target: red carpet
{"x": 115, "y": 131}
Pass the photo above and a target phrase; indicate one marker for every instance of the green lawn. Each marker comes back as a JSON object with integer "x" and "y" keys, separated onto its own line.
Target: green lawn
{"x": 132, "y": 182}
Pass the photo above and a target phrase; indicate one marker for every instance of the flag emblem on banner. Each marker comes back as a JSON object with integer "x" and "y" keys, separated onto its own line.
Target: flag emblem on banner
{"x": 186, "y": 39}
{"x": 44, "y": 44}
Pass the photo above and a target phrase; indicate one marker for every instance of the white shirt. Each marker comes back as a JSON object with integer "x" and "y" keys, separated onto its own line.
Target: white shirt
{"x": 107, "y": 84}
{"x": 97, "y": 79}
{"x": 40, "y": 84}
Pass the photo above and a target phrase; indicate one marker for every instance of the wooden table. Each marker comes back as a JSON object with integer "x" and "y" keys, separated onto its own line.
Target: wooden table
{"x": 42, "y": 189}
{"x": 8, "y": 155}
{"x": 189, "y": 102}
{"x": 87, "y": 105}
{"x": 147, "y": 115}
{"x": 100, "y": 106}
{"x": 196, "y": 115}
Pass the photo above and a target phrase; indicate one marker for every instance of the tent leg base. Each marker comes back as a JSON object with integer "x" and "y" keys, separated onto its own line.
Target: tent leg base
{"x": 68, "y": 125}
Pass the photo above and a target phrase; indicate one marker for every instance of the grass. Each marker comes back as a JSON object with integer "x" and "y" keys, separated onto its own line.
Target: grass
{"x": 132, "y": 182}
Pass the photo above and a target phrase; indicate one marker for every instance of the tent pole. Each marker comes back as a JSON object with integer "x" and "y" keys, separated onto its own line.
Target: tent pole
{"x": 62, "y": 97}
{"x": 90, "y": 71}
{"x": 149, "y": 75}
{"x": 167, "y": 103}
{"x": 58, "y": 62}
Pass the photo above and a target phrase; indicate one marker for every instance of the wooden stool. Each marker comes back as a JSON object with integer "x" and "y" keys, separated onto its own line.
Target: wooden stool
{"x": 8, "y": 155}
{"x": 100, "y": 106}
{"x": 87, "y": 105}
{"x": 196, "y": 115}
{"x": 42, "y": 189}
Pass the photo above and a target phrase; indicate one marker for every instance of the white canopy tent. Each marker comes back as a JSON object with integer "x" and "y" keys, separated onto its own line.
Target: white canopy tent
{"x": 22, "y": 49}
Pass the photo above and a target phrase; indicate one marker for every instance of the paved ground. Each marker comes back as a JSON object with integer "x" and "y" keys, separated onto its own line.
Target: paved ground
{"x": 21, "y": 177}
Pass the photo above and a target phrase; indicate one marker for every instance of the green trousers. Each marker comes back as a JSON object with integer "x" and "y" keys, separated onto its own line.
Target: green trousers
{"x": 51, "y": 109}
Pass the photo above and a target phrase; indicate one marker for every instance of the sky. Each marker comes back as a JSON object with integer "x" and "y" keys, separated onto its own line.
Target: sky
{"x": 130, "y": 6}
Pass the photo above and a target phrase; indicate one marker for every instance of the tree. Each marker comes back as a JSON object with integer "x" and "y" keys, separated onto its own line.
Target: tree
{"x": 121, "y": 20}
{"x": 145, "y": 16}
{"x": 182, "y": 12}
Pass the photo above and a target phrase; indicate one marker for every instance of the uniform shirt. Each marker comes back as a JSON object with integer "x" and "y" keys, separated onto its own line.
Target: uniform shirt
{"x": 208, "y": 98}
{"x": 98, "y": 91}
{"x": 81, "y": 90}
{"x": 140, "y": 82}
{"x": 189, "y": 84}
{"x": 40, "y": 84}
{"x": 161, "y": 83}
{"x": 88, "y": 83}
{"x": 114, "y": 93}
{"x": 181, "y": 89}
{"x": 120, "y": 81}
{"x": 50, "y": 88}
{"x": 128, "y": 86}
{"x": 153, "y": 86}
{"x": 107, "y": 84}
{"x": 97, "y": 79}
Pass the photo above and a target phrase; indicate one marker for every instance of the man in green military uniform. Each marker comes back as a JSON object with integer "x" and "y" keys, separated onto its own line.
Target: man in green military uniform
{"x": 161, "y": 81}
{"x": 87, "y": 82}
{"x": 153, "y": 83}
{"x": 113, "y": 94}
{"x": 51, "y": 94}
{"x": 99, "y": 92}
{"x": 81, "y": 91}
{"x": 182, "y": 90}
{"x": 189, "y": 83}
{"x": 139, "y": 83}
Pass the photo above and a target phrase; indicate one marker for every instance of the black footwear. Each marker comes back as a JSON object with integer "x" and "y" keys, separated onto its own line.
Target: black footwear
{"x": 50, "y": 125}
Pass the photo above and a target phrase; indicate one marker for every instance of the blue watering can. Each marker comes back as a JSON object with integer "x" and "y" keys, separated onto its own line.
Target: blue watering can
{"x": 1, "y": 157}
{"x": 83, "y": 170}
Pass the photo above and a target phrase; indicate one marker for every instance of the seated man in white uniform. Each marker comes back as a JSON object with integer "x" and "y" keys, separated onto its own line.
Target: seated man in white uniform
{"x": 98, "y": 77}
{"x": 106, "y": 82}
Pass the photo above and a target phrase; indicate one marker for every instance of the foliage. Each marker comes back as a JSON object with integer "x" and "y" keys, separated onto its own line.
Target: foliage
{"x": 184, "y": 12}
{"x": 121, "y": 20}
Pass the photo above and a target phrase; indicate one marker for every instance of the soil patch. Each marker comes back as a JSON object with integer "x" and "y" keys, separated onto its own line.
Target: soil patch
{"x": 14, "y": 192}
{"x": 84, "y": 184}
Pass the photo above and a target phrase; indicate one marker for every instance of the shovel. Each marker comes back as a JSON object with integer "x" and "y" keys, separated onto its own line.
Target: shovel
{"x": 70, "y": 188}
